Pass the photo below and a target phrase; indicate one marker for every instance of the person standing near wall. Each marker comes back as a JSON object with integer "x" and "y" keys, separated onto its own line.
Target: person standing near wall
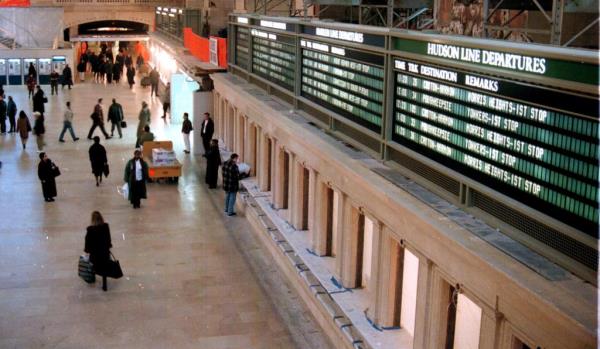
{"x": 143, "y": 120}
{"x": 208, "y": 128}
{"x": 39, "y": 130}
{"x": 67, "y": 124}
{"x": 3, "y": 110}
{"x": 185, "y": 130}
{"x": 166, "y": 102}
{"x": 67, "y": 77}
{"x": 213, "y": 162}
{"x": 23, "y": 127}
{"x": 11, "y": 111}
{"x": 231, "y": 183}
{"x": 154, "y": 80}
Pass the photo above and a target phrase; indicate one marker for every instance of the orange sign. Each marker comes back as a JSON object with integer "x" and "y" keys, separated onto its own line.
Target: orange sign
{"x": 15, "y": 3}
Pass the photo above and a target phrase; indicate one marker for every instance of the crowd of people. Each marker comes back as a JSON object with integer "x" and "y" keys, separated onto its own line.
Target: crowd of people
{"x": 104, "y": 68}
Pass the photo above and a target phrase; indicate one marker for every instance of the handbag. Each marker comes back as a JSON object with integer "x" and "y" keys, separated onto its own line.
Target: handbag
{"x": 45, "y": 100}
{"x": 113, "y": 268}
{"x": 123, "y": 124}
{"x": 86, "y": 270}
{"x": 106, "y": 170}
{"x": 55, "y": 171}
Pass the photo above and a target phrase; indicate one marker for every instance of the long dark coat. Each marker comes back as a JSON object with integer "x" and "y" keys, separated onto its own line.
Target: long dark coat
{"x": 46, "y": 176}
{"x": 213, "y": 162}
{"x": 38, "y": 101}
{"x": 97, "y": 159}
{"x": 98, "y": 245}
{"x": 131, "y": 75}
{"x": 129, "y": 177}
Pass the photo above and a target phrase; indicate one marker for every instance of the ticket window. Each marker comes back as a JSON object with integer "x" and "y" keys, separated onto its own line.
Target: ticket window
{"x": 3, "y": 71}
{"x": 45, "y": 65}
{"x": 26, "y": 63}
{"x": 15, "y": 75}
{"x": 59, "y": 63}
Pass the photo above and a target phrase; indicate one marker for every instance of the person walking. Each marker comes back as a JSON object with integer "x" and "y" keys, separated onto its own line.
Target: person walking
{"x": 166, "y": 102}
{"x": 117, "y": 71}
{"x": 98, "y": 159}
{"x": 54, "y": 77}
{"x": 32, "y": 71}
{"x": 213, "y": 162}
{"x": 98, "y": 120}
{"x": 108, "y": 70}
{"x": 67, "y": 77}
{"x": 97, "y": 245}
{"x": 154, "y": 80}
{"x": 185, "y": 130}
{"x": 231, "y": 183}
{"x": 31, "y": 85}
{"x": 143, "y": 120}
{"x": 3, "y": 110}
{"x": 67, "y": 124}
{"x": 115, "y": 116}
{"x": 23, "y": 127}
{"x": 130, "y": 76}
{"x": 136, "y": 174}
{"x": 11, "y": 112}
{"x": 39, "y": 130}
{"x": 139, "y": 61}
{"x": 39, "y": 99}
{"x": 47, "y": 173}
{"x": 81, "y": 67}
{"x": 207, "y": 131}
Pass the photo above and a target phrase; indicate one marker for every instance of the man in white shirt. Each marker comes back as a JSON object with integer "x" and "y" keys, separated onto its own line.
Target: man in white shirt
{"x": 136, "y": 174}
{"x": 67, "y": 124}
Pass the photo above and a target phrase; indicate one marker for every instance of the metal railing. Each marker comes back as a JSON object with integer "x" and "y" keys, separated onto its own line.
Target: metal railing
{"x": 119, "y": 2}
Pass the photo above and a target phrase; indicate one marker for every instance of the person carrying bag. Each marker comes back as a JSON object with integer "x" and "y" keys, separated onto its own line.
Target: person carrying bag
{"x": 97, "y": 246}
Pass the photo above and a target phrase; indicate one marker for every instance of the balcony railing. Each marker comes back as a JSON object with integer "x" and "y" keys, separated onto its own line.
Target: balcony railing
{"x": 175, "y": 3}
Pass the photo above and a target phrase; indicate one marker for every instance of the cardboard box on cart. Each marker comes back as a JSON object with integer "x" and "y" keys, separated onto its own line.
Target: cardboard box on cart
{"x": 161, "y": 169}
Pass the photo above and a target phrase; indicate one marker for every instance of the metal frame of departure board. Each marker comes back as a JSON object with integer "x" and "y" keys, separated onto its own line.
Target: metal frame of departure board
{"x": 515, "y": 122}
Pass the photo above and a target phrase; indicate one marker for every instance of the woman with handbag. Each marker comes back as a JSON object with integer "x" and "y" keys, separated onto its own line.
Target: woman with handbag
{"x": 98, "y": 160}
{"x": 98, "y": 245}
{"x": 23, "y": 127}
{"x": 47, "y": 172}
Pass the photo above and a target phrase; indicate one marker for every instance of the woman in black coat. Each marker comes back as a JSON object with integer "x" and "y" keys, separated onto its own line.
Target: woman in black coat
{"x": 98, "y": 159}
{"x": 213, "y": 162}
{"x": 47, "y": 174}
{"x": 130, "y": 76}
{"x": 39, "y": 99}
{"x": 117, "y": 72}
{"x": 98, "y": 245}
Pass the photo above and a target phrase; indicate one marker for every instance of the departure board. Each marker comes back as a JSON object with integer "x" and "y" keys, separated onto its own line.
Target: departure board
{"x": 480, "y": 126}
{"x": 274, "y": 57}
{"x": 346, "y": 81}
{"x": 242, "y": 47}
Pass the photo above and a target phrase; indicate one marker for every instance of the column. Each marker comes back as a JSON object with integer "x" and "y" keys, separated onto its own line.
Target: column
{"x": 490, "y": 327}
{"x": 351, "y": 247}
{"x": 434, "y": 332}
{"x": 379, "y": 281}
{"x": 263, "y": 161}
{"x": 340, "y": 225}
{"x": 296, "y": 197}
{"x": 423, "y": 299}
{"x": 276, "y": 171}
{"x": 250, "y": 146}
{"x": 322, "y": 211}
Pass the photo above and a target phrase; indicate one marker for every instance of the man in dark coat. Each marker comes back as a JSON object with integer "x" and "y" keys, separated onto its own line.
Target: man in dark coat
{"x": 213, "y": 162}
{"x": 11, "y": 112}
{"x": 98, "y": 120}
{"x": 98, "y": 159}
{"x": 154, "y": 80}
{"x": 47, "y": 175}
{"x": 117, "y": 69}
{"x": 3, "y": 110}
{"x": 115, "y": 116}
{"x": 136, "y": 175}
{"x": 32, "y": 71}
{"x": 67, "y": 77}
{"x": 54, "y": 77}
{"x": 39, "y": 99}
{"x": 108, "y": 69}
{"x": 207, "y": 131}
{"x": 231, "y": 183}
{"x": 130, "y": 76}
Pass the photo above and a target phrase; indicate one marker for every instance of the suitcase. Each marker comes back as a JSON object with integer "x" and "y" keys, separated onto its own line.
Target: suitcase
{"x": 145, "y": 81}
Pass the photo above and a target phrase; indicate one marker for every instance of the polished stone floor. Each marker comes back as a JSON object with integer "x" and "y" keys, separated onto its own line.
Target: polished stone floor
{"x": 192, "y": 276}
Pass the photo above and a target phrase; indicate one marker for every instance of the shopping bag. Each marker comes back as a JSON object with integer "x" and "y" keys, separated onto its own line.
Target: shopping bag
{"x": 86, "y": 270}
{"x": 123, "y": 124}
{"x": 55, "y": 170}
{"x": 124, "y": 190}
{"x": 106, "y": 170}
{"x": 113, "y": 268}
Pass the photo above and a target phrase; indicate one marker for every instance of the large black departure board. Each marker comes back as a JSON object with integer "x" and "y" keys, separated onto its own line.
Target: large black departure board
{"x": 274, "y": 57}
{"x": 476, "y": 125}
{"x": 347, "y": 81}
{"x": 242, "y": 46}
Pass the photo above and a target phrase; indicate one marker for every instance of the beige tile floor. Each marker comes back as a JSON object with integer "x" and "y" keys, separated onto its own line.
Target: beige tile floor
{"x": 186, "y": 284}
